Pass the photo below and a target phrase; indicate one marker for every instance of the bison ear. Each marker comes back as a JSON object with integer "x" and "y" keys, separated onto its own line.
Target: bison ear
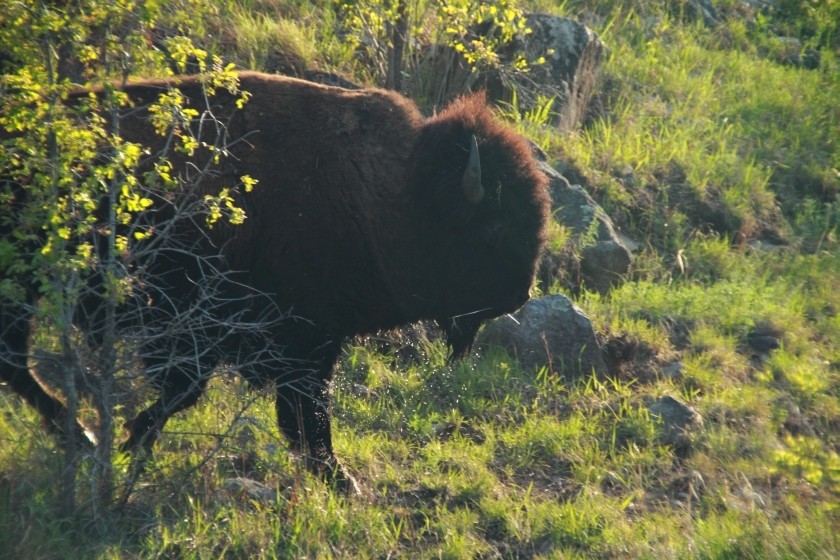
{"x": 471, "y": 182}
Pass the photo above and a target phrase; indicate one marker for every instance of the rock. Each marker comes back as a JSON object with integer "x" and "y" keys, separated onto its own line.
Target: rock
{"x": 361, "y": 391}
{"x": 744, "y": 497}
{"x": 764, "y": 337}
{"x": 604, "y": 255}
{"x": 246, "y": 487}
{"x": 755, "y": 6}
{"x": 603, "y": 263}
{"x": 573, "y": 55}
{"x": 791, "y": 51}
{"x": 687, "y": 487}
{"x": 701, "y": 10}
{"x": 796, "y": 423}
{"x": 679, "y": 423}
{"x": 763, "y": 344}
{"x": 547, "y": 332}
{"x": 674, "y": 371}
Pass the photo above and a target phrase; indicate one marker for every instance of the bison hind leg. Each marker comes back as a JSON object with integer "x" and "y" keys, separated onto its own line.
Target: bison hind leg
{"x": 14, "y": 370}
{"x": 178, "y": 391}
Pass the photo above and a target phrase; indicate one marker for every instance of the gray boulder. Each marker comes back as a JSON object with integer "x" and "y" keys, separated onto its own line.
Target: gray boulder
{"x": 679, "y": 423}
{"x": 599, "y": 255}
{"x": 573, "y": 55}
{"x": 699, "y": 10}
{"x": 248, "y": 489}
{"x": 547, "y": 332}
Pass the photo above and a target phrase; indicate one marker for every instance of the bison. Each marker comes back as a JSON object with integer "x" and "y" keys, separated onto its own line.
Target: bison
{"x": 367, "y": 216}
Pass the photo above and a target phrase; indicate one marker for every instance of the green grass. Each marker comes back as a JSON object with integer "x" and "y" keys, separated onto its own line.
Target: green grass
{"x": 723, "y": 163}
{"x": 714, "y": 136}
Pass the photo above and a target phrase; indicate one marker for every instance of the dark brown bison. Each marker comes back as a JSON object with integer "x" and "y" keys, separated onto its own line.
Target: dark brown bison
{"x": 366, "y": 216}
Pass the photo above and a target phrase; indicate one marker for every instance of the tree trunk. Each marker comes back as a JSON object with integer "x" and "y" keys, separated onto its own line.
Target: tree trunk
{"x": 397, "y": 47}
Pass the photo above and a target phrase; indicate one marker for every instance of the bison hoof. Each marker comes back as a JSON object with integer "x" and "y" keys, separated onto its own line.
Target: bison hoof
{"x": 86, "y": 436}
{"x": 343, "y": 482}
{"x": 81, "y": 436}
{"x": 334, "y": 475}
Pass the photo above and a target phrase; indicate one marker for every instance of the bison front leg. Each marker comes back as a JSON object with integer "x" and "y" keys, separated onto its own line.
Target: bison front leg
{"x": 304, "y": 418}
{"x": 460, "y": 334}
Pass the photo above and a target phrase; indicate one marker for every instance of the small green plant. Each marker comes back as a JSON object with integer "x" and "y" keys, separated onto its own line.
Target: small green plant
{"x": 805, "y": 457}
{"x": 264, "y": 40}
{"x": 534, "y": 122}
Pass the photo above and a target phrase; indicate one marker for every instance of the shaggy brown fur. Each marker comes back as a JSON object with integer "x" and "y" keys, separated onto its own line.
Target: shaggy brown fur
{"x": 359, "y": 223}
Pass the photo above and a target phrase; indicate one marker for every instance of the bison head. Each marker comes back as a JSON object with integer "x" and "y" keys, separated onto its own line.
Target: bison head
{"x": 488, "y": 206}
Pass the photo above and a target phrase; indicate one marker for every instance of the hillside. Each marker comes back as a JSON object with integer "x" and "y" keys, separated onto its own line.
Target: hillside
{"x": 713, "y": 142}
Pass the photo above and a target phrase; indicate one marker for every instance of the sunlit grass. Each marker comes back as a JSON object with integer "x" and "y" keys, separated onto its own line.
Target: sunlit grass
{"x": 694, "y": 123}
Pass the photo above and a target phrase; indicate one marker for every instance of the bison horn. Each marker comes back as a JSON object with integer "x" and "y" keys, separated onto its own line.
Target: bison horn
{"x": 471, "y": 182}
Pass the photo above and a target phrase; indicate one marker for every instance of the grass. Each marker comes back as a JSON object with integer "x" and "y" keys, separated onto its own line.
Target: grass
{"x": 715, "y": 136}
{"x": 722, "y": 162}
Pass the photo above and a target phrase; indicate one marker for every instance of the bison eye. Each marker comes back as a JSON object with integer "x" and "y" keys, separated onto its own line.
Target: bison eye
{"x": 491, "y": 233}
